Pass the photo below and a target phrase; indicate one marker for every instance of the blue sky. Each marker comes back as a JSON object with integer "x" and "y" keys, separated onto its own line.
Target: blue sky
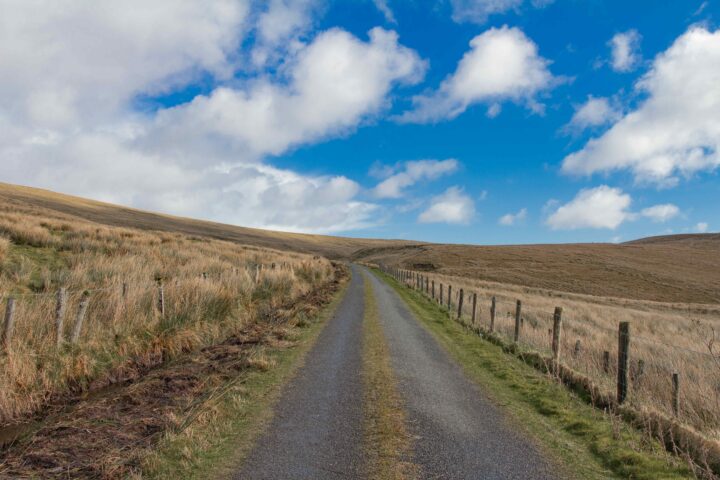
{"x": 471, "y": 121}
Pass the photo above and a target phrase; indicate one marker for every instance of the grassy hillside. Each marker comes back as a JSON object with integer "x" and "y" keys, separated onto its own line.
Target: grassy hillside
{"x": 680, "y": 268}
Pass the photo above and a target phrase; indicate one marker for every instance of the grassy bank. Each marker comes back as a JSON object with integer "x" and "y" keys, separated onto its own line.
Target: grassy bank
{"x": 223, "y": 430}
{"x": 591, "y": 443}
{"x": 387, "y": 443}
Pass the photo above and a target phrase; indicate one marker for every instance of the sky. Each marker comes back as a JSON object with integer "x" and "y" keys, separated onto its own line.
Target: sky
{"x": 463, "y": 121}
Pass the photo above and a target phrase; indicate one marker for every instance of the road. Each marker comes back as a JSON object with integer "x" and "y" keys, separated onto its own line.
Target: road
{"x": 458, "y": 432}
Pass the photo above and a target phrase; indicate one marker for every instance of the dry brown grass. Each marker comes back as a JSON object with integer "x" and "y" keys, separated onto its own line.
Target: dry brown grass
{"x": 48, "y": 250}
{"x": 665, "y": 338}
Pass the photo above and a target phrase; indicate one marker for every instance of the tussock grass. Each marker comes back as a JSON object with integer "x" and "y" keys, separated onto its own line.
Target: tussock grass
{"x": 211, "y": 288}
{"x": 386, "y": 439}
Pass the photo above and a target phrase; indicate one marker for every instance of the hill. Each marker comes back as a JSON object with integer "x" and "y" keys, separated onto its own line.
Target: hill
{"x": 675, "y": 268}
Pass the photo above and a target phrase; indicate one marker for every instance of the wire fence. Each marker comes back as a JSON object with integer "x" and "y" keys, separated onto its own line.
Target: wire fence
{"x": 679, "y": 380}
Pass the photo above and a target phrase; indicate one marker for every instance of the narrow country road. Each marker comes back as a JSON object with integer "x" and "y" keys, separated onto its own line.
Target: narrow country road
{"x": 317, "y": 430}
{"x": 459, "y": 433}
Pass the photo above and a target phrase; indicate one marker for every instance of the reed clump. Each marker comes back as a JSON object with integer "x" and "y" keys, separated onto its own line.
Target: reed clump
{"x": 210, "y": 289}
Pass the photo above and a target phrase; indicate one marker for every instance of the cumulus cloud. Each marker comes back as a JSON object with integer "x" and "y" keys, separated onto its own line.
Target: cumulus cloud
{"x": 660, "y": 213}
{"x": 701, "y": 227}
{"x": 478, "y": 11}
{"x": 413, "y": 172}
{"x": 600, "y": 207}
{"x": 676, "y": 129}
{"x": 279, "y": 29}
{"x": 511, "y": 219}
{"x": 71, "y": 74}
{"x": 452, "y": 206}
{"x": 625, "y": 51}
{"x": 595, "y": 112}
{"x": 503, "y": 64}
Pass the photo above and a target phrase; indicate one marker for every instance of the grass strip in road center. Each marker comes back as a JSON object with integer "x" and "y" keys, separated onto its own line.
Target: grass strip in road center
{"x": 387, "y": 444}
{"x": 590, "y": 443}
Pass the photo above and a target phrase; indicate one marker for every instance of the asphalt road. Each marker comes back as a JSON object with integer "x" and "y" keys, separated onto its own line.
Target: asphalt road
{"x": 316, "y": 431}
{"x": 458, "y": 433}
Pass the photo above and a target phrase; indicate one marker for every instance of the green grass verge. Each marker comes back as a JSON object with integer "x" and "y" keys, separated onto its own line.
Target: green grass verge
{"x": 220, "y": 437}
{"x": 590, "y": 443}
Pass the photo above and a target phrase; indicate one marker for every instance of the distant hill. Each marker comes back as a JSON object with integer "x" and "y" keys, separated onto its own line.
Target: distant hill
{"x": 673, "y": 268}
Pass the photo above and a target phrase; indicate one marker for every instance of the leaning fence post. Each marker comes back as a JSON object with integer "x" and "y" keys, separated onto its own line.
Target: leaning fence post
{"x": 623, "y": 358}
{"x": 492, "y": 315}
{"x": 518, "y": 312}
{"x": 676, "y": 393}
{"x": 427, "y": 286}
{"x": 460, "y": 305}
{"x": 474, "y": 307}
{"x": 60, "y": 315}
{"x": 124, "y": 291}
{"x": 433, "y": 289}
{"x": 556, "y": 332}
{"x": 9, "y": 321}
{"x": 441, "y": 294}
{"x": 80, "y": 317}
{"x": 449, "y": 297}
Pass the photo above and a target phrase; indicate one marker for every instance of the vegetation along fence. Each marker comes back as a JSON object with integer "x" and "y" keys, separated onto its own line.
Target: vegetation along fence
{"x": 665, "y": 380}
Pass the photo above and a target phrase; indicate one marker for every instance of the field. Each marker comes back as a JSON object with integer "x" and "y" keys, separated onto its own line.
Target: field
{"x": 132, "y": 299}
{"x": 680, "y": 268}
{"x": 666, "y": 338}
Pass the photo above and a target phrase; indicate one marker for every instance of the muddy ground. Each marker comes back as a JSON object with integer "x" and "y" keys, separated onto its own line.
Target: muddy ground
{"x": 106, "y": 432}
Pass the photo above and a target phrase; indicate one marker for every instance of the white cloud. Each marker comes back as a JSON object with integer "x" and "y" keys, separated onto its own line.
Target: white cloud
{"x": 595, "y": 112}
{"x": 71, "y": 73}
{"x": 625, "y": 51}
{"x": 513, "y": 218}
{"x": 478, "y": 11}
{"x": 701, "y": 227}
{"x": 453, "y": 206}
{"x": 502, "y": 65}
{"x": 676, "y": 130}
{"x": 414, "y": 171}
{"x": 660, "y": 213}
{"x": 600, "y": 207}
{"x": 384, "y": 8}
{"x": 279, "y": 28}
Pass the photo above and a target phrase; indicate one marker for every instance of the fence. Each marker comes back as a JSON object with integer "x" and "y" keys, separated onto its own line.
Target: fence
{"x": 643, "y": 372}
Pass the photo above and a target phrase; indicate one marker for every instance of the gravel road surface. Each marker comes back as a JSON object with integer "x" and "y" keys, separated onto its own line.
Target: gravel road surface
{"x": 460, "y": 433}
{"x": 316, "y": 431}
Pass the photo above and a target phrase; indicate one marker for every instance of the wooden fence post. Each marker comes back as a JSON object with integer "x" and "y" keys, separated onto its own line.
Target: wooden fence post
{"x": 492, "y": 315}
{"x": 556, "y": 333}
{"x": 9, "y": 325}
{"x": 518, "y": 313}
{"x": 623, "y": 358}
{"x": 676, "y": 393}
{"x": 124, "y": 291}
{"x": 161, "y": 299}
{"x": 441, "y": 294}
{"x": 80, "y": 317}
{"x": 427, "y": 286}
{"x": 460, "y": 304}
{"x": 606, "y": 361}
{"x": 60, "y": 315}
{"x": 474, "y": 307}
{"x": 449, "y": 297}
{"x": 578, "y": 348}
{"x": 433, "y": 289}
